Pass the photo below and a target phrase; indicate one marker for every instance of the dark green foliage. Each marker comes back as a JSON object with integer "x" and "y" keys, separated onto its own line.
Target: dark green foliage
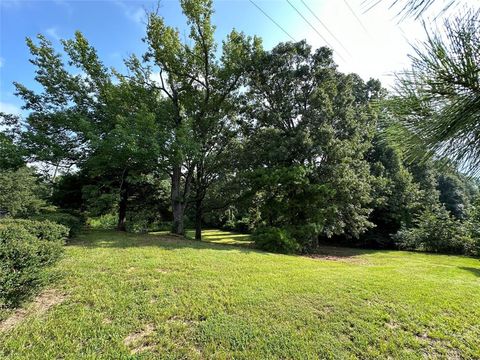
{"x": 435, "y": 230}
{"x": 396, "y": 195}
{"x": 473, "y": 223}
{"x": 67, "y": 191}
{"x": 26, "y": 248}
{"x": 21, "y": 192}
{"x": 10, "y": 154}
{"x": 278, "y": 142}
{"x": 73, "y": 223}
{"x": 453, "y": 194}
{"x": 275, "y": 240}
{"x": 307, "y": 131}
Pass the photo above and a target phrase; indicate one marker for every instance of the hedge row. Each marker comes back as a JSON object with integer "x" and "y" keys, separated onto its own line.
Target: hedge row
{"x": 27, "y": 247}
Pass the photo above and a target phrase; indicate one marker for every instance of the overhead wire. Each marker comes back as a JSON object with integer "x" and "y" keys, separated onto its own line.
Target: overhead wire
{"x": 326, "y": 28}
{"x": 356, "y": 17}
{"x": 271, "y": 19}
{"x": 313, "y": 27}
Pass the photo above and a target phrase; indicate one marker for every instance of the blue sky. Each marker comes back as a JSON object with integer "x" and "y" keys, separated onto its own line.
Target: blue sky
{"x": 376, "y": 45}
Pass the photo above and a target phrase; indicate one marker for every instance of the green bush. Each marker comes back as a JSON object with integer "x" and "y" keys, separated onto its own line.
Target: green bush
{"x": 306, "y": 235}
{"x": 26, "y": 248}
{"x": 104, "y": 222}
{"x": 72, "y": 222}
{"x": 275, "y": 240}
{"x": 436, "y": 230}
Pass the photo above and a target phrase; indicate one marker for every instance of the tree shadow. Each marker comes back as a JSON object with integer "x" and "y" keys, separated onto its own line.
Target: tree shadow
{"x": 167, "y": 241}
{"x": 122, "y": 240}
{"x": 474, "y": 271}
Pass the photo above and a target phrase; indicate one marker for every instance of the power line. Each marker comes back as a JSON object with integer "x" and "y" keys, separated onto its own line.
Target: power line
{"x": 264, "y": 13}
{"x": 370, "y": 6}
{"x": 313, "y": 27}
{"x": 356, "y": 16}
{"x": 326, "y": 28}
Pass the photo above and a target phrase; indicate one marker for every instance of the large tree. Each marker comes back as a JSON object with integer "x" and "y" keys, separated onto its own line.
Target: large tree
{"x": 200, "y": 87}
{"x": 84, "y": 118}
{"x": 307, "y": 132}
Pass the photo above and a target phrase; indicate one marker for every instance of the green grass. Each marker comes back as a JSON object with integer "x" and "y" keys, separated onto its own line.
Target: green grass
{"x": 217, "y": 237}
{"x": 133, "y": 296}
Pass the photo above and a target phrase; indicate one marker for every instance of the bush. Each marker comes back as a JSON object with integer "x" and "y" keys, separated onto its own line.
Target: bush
{"x": 436, "y": 230}
{"x": 275, "y": 240}
{"x": 72, "y": 222}
{"x": 104, "y": 222}
{"x": 26, "y": 248}
{"x": 307, "y": 236}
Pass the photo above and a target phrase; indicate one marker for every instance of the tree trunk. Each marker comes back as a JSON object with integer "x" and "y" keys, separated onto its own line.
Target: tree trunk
{"x": 177, "y": 202}
{"x": 122, "y": 208}
{"x": 198, "y": 219}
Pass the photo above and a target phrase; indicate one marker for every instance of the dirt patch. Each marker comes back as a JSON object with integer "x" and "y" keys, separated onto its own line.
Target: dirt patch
{"x": 138, "y": 341}
{"x": 392, "y": 325}
{"x": 162, "y": 271}
{"x": 40, "y": 305}
{"x": 180, "y": 320}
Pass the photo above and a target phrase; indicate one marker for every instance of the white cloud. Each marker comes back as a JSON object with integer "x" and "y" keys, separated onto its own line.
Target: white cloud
{"x": 138, "y": 15}
{"x": 2, "y": 61}
{"x": 53, "y": 33}
{"x": 135, "y": 14}
{"x": 9, "y": 108}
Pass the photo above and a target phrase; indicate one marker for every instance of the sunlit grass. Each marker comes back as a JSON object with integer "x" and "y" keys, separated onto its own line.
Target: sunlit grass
{"x": 222, "y": 237}
{"x": 217, "y": 236}
{"x": 130, "y": 296}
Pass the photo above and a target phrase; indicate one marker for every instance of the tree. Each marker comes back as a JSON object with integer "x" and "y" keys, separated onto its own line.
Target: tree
{"x": 396, "y": 196}
{"x": 11, "y": 154}
{"x": 200, "y": 89}
{"x": 88, "y": 120}
{"x": 307, "y": 132}
{"x": 438, "y": 99}
{"x": 21, "y": 193}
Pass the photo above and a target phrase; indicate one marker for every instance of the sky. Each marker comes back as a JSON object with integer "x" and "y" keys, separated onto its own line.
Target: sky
{"x": 373, "y": 43}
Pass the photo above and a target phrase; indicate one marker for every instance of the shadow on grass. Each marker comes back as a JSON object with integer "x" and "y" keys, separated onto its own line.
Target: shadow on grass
{"x": 167, "y": 241}
{"x": 164, "y": 240}
{"x": 339, "y": 251}
{"x": 474, "y": 271}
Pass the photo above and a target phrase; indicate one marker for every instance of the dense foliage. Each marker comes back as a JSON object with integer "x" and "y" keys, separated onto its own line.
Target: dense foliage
{"x": 275, "y": 142}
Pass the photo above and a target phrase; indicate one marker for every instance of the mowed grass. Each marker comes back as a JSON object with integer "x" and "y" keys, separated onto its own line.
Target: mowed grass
{"x": 128, "y": 296}
{"x": 217, "y": 236}
{"x": 222, "y": 237}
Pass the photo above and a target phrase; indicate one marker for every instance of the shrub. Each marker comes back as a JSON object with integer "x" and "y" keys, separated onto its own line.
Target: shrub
{"x": 72, "y": 222}
{"x": 436, "y": 230}
{"x": 306, "y": 235}
{"x": 26, "y": 248}
{"x": 275, "y": 240}
{"x": 104, "y": 222}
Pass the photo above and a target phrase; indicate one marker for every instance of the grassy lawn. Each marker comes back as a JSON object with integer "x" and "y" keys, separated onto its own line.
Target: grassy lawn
{"x": 127, "y": 296}
{"x": 217, "y": 236}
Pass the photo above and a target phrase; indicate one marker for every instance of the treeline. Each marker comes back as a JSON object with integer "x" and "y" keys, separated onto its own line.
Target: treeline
{"x": 275, "y": 142}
